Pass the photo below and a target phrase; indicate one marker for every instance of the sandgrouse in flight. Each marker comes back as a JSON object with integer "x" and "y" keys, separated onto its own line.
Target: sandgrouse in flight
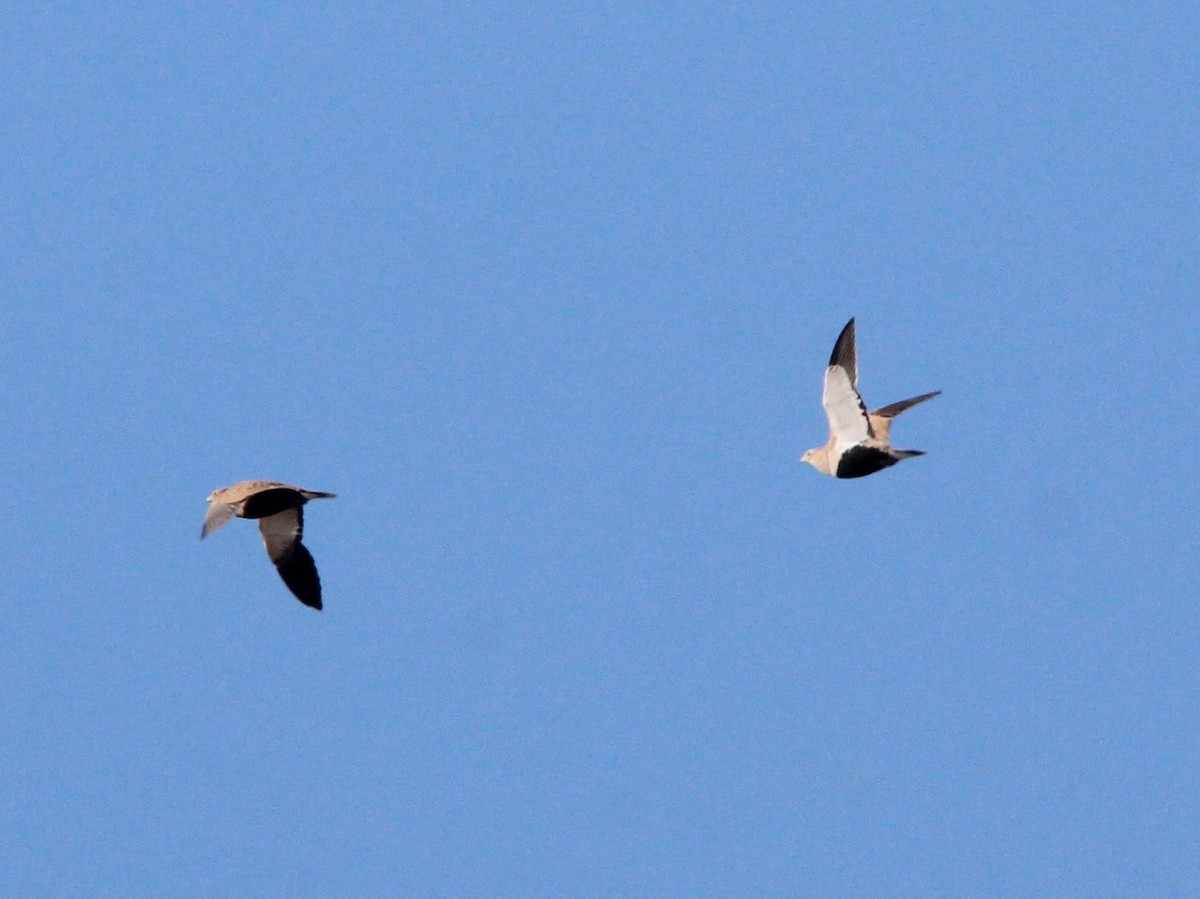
{"x": 858, "y": 440}
{"x": 278, "y": 508}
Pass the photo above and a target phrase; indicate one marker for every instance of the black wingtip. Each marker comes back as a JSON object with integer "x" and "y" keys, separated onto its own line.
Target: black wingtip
{"x": 845, "y": 339}
{"x": 299, "y": 572}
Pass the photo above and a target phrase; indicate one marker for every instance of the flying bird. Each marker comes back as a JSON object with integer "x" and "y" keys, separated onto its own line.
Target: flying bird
{"x": 279, "y": 510}
{"x": 858, "y": 440}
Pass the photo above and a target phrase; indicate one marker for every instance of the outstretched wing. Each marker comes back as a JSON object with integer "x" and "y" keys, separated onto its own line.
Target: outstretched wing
{"x": 845, "y": 353}
{"x": 881, "y": 419}
{"x": 281, "y": 535}
{"x": 894, "y": 409}
{"x": 218, "y": 513}
{"x": 848, "y": 422}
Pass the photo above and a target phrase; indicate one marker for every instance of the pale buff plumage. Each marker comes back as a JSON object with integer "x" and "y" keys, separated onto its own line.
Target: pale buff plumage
{"x": 859, "y": 441}
{"x": 278, "y": 507}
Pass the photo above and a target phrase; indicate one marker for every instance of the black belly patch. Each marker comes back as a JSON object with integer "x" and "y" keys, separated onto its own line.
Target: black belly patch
{"x": 269, "y": 502}
{"x": 862, "y": 461}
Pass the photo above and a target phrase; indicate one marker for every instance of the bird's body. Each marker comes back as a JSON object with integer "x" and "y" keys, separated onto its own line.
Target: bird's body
{"x": 859, "y": 441}
{"x": 278, "y": 508}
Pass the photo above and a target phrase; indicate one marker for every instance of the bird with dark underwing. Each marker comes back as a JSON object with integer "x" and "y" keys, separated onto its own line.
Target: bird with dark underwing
{"x": 279, "y": 510}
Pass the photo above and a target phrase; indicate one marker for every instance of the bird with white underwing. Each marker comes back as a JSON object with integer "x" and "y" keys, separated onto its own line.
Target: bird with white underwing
{"x": 859, "y": 441}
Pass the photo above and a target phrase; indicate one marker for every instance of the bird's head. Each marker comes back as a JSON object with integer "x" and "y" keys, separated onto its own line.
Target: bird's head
{"x": 818, "y": 458}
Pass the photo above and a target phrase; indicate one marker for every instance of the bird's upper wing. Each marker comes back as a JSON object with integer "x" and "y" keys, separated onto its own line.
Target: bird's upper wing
{"x": 845, "y": 353}
{"x": 218, "y": 513}
{"x": 848, "y": 422}
{"x": 281, "y": 534}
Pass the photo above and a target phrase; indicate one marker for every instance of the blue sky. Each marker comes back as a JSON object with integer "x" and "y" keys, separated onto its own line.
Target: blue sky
{"x": 545, "y": 296}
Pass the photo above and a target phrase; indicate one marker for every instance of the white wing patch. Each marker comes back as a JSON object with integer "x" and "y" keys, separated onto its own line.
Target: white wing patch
{"x": 848, "y": 422}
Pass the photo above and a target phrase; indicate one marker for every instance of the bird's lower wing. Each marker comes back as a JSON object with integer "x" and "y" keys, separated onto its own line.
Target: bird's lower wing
{"x": 299, "y": 572}
{"x": 281, "y": 534}
{"x": 894, "y": 409}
